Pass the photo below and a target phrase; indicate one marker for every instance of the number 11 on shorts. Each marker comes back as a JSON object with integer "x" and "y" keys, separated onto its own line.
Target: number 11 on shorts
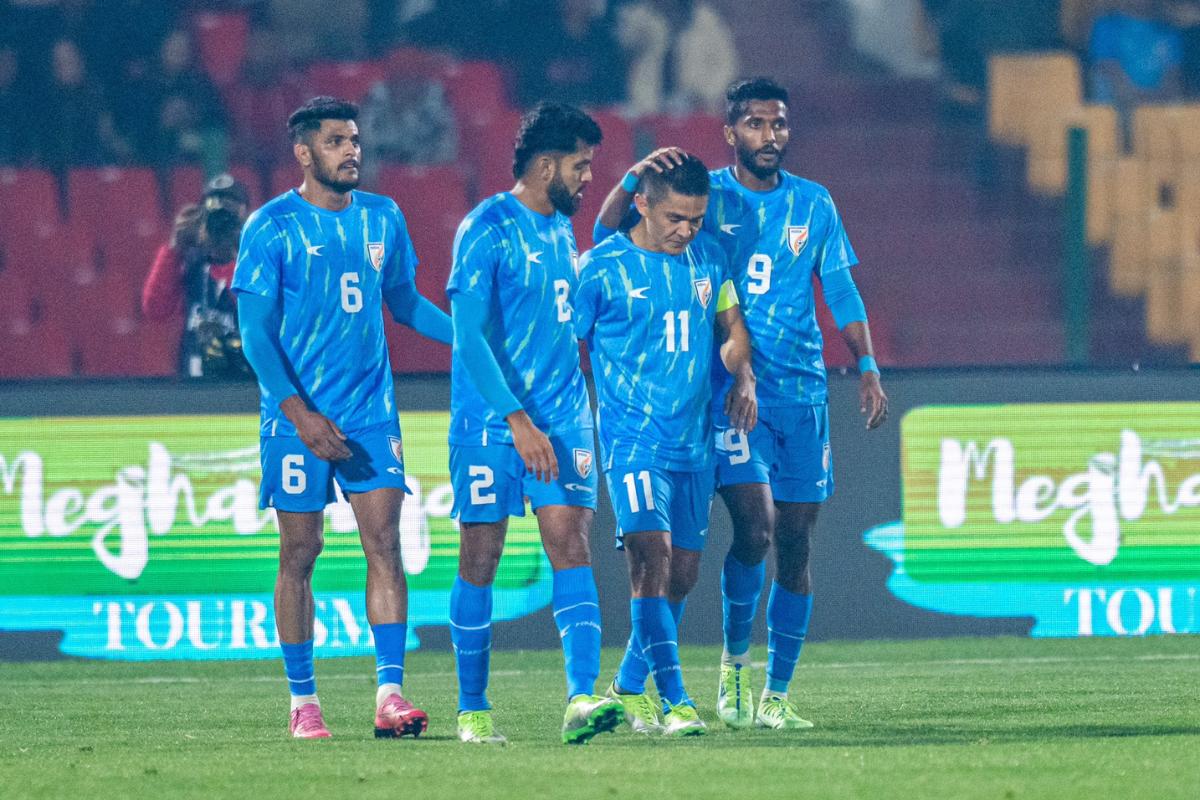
{"x": 631, "y": 480}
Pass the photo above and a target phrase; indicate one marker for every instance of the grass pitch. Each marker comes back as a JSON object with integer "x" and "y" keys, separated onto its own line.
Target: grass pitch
{"x": 955, "y": 718}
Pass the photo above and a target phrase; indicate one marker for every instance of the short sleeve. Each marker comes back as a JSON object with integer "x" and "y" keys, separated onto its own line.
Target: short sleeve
{"x": 400, "y": 266}
{"x": 260, "y": 257}
{"x": 586, "y": 302}
{"x": 477, "y": 254}
{"x": 835, "y": 251}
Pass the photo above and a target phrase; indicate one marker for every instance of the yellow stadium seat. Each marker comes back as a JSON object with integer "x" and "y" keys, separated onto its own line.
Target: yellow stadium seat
{"x": 1023, "y": 88}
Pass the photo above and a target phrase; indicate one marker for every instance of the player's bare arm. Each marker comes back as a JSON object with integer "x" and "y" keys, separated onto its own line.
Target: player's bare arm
{"x": 618, "y": 200}
{"x": 318, "y": 432}
{"x": 533, "y": 446}
{"x": 741, "y": 403}
{"x": 872, "y": 400}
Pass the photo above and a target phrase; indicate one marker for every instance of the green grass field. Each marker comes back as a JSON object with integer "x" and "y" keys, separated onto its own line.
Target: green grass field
{"x": 955, "y": 718}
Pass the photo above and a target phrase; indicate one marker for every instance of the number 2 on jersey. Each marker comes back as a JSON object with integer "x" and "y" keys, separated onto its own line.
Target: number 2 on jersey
{"x": 759, "y": 272}
{"x": 561, "y": 292}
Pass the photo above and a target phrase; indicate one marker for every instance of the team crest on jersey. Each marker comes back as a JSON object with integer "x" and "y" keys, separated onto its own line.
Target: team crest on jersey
{"x": 397, "y": 448}
{"x": 797, "y": 237}
{"x": 375, "y": 251}
{"x": 703, "y": 291}
{"x": 583, "y": 462}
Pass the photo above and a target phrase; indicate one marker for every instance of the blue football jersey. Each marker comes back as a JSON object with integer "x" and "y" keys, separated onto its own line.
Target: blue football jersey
{"x": 648, "y": 319}
{"x": 522, "y": 266}
{"x": 330, "y": 269}
{"x": 776, "y": 241}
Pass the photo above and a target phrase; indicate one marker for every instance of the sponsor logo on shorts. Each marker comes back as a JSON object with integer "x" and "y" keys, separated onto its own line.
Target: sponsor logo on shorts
{"x": 583, "y": 462}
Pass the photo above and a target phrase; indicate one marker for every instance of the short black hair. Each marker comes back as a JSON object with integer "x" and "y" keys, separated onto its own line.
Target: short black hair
{"x": 689, "y": 178}
{"x": 740, "y": 93}
{"x": 552, "y": 128}
{"x": 307, "y": 118}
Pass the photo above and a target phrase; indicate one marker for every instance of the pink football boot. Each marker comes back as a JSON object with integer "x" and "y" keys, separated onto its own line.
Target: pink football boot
{"x": 307, "y": 723}
{"x": 398, "y": 717}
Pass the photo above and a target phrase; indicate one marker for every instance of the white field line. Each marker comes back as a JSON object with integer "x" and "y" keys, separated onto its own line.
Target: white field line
{"x": 517, "y": 673}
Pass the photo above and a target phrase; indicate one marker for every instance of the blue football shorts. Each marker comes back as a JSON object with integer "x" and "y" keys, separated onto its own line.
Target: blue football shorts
{"x": 491, "y": 483}
{"x": 293, "y": 479}
{"x": 788, "y": 449}
{"x": 657, "y": 499}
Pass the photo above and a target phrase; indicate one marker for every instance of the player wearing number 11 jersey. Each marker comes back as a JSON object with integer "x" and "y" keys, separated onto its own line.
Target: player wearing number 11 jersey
{"x": 315, "y": 267}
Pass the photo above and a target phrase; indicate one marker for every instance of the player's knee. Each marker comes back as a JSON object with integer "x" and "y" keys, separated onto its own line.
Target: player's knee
{"x": 682, "y": 583}
{"x": 478, "y": 559}
{"x": 750, "y": 543}
{"x": 298, "y": 557}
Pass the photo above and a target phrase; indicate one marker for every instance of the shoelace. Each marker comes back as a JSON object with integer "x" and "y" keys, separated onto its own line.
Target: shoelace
{"x": 480, "y": 725}
{"x": 308, "y": 718}
{"x": 779, "y": 707}
{"x": 642, "y": 707}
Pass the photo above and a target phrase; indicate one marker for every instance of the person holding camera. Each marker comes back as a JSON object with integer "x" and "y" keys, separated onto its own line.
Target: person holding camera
{"x": 192, "y": 274}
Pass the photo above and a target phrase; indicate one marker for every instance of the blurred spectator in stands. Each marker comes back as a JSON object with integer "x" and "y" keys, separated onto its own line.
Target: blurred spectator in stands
{"x": 74, "y": 123}
{"x": 969, "y": 31}
{"x": 1134, "y": 57}
{"x": 407, "y": 119}
{"x": 681, "y": 56}
{"x": 568, "y": 54}
{"x": 15, "y": 141}
{"x": 483, "y": 29}
{"x": 189, "y": 115}
{"x": 1185, "y": 16}
{"x": 192, "y": 273}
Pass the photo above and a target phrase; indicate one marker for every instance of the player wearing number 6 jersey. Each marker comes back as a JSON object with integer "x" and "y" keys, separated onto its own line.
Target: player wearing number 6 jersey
{"x": 780, "y": 231}
{"x": 315, "y": 267}
{"x": 519, "y": 420}
{"x": 649, "y": 306}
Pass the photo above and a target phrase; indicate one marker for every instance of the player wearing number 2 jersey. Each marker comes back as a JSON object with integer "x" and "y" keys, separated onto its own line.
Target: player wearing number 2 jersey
{"x": 780, "y": 231}
{"x": 315, "y": 267}
{"x": 519, "y": 420}
{"x": 650, "y": 305}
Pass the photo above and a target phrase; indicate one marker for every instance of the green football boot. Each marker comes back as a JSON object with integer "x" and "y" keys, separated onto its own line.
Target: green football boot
{"x": 641, "y": 712}
{"x": 588, "y": 715}
{"x": 779, "y": 713}
{"x": 735, "y": 702}
{"x": 683, "y": 720}
{"x": 476, "y": 727}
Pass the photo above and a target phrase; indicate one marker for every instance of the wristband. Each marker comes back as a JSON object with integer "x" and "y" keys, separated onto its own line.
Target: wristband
{"x": 867, "y": 364}
{"x": 630, "y": 182}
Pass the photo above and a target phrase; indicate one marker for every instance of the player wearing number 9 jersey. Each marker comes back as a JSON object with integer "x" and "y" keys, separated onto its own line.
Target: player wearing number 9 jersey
{"x": 649, "y": 306}
{"x": 315, "y": 267}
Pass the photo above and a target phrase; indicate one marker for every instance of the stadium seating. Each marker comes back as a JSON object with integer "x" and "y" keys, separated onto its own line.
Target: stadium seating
{"x": 349, "y": 80}
{"x": 185, "y": 185}
{"x": 478, "y": 92}
{"x": 222, "y": 39}
{"x": 1028, "y": 87}
{"x": 28, "y": 199}
{"x": 698, "y": 134}
{"x": 34, "y": 351}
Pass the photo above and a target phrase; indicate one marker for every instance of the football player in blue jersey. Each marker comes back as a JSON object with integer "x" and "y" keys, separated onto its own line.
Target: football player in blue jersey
{"x": 650, "y": 305}
{"x": 315, "y": 268}
{"x": 520, "y": 423}
{"x": 780, "y": 231}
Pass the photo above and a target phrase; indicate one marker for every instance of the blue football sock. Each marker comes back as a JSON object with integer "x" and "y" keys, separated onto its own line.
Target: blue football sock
{"x": 787, "y": 625}
{"x": 577, "y": 615}
{"x": 656, "y": 633}
{"x": 471, "y": 636}
{"x": 740, "y": 588}
{"x": 390, "y": 638}
{"x": 298, "y": 666}
{"x": 632, "y": 674}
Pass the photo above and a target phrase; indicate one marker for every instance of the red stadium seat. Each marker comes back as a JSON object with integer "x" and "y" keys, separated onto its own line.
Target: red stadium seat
{"x": 478, "y": 92}
{"x": 28, "y": 200}
{"x": 699, "y": 134}
{"x": 222, "y": 39}
{"x": 35, "y": 351}
{"x": 260, "y": 115}
{"x": 284, "y": 177}
{"x": 54, "y": 263}
{"x": 434, "y": 202}
{"x": 487, "y": 146}
{"x": 123, "y": 348}
{"x": 110, "y": 201}
{"x": 348, "y": 80}
{"x": 614, "y": 156}
{"x": 414, "y": 62}
{"x": 16, "y": 297}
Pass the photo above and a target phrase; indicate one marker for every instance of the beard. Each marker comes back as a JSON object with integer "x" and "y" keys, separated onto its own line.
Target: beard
{"x": 329, "y": 179}
{"x": 561, "y": 198}
{"x": 747, "y": 158}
